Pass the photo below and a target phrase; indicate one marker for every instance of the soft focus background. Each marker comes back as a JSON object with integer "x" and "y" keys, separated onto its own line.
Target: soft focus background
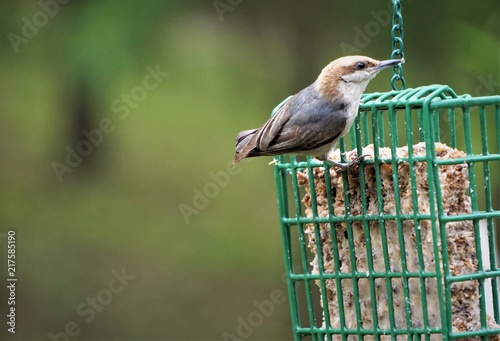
{"x": 151, "y": 234}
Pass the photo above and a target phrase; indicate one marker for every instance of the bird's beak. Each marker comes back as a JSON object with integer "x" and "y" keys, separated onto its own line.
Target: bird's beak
{"x": 387, "y": 63}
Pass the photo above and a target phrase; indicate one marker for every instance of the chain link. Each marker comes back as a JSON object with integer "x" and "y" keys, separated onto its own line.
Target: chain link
{"x": 397, "y": 34}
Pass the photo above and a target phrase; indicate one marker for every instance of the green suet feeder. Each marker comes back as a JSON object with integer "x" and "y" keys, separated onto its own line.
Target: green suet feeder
{"x": 401, "y": 247}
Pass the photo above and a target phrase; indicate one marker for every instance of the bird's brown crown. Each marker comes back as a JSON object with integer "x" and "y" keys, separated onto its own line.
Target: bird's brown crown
{"x": 355, "y": 69}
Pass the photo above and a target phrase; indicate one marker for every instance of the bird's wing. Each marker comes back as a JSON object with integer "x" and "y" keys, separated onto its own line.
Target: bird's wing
{"x": 248, "y": 141}
{"x": 301, "y": 123}
{"x": 296, "y": 139}
{"x": 243, "y": 137}
{"x": 304, "y": 123}
{"x": 268, "y": 132}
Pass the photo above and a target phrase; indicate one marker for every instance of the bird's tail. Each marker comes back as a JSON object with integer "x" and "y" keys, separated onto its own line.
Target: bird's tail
{"x": 242, "y": 140}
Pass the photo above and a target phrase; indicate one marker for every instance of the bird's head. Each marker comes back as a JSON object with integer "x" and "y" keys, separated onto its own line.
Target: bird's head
{"x": 349, "y": 76}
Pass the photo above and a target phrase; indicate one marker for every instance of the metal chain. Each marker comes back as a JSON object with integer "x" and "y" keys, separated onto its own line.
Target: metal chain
{"x": 397, "y": 34}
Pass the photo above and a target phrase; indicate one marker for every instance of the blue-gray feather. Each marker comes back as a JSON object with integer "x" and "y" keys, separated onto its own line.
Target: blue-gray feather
{"x": 305, "y": 122}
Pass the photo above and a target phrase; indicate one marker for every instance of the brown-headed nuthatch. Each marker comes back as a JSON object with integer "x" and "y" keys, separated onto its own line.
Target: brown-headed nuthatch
{"x": 313, "y": 120}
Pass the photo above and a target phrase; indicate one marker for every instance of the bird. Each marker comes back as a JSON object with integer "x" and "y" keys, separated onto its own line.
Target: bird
{"x": 313, "y": 120}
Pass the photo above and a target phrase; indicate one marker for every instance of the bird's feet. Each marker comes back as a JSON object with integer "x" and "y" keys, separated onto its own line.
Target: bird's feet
{"x": 343, "y": 167}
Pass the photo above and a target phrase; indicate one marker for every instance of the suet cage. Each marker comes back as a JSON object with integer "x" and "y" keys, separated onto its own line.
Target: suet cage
{"x": 401, "y": 247}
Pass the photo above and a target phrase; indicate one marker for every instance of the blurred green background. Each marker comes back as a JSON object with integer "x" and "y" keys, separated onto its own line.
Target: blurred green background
{"x": 194, "y": 266}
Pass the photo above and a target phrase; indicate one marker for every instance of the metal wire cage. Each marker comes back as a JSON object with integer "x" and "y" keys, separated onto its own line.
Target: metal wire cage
{"x": 403, "y": 246}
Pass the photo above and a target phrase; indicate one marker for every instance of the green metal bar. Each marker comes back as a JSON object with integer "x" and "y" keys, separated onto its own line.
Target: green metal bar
{"x": 353, "y": 218}
{"x": 416, "y": 215}
{"x": 436, "y": 127}
{"x": 494, "y": 268}
{"x": 352, "y": 132}
{"x": 470, "y": 216}
{"x": 474, "y": 204}
{"x": 472, "y": 276}
{"x": 358, "y": 142}
{"x": 491, "y": 231}
{"x": 455, "y": 161}
{"x": 363, "y": 275}
{"x": 472, "y": 158}
{"x": 484, "y": 132}
{"x": 446, "y": 309}
{"x": 468, "y": 151}
{"x": 380, "y": 127}
{"x": 281, "y": 183}
{"x": 376, "y": 131}
{"x": 453, "y": 130}
{"x": 445, "y": 302}
{"x": 365, "y": 130}
{"x": 342, "y": 150}
{"x": 393, "y": 132}
{"x": 445, "y": 218}
{"x": 464, "y": 102}
{"x": 380, "y": 206}
{"x": 370, "y": 332}
{"x": 385, "y": 251}
{"x": 469, "y": 158}
{"x": 319, "y": 249}
{"x": 394, "y": 143}
{"x": 336, "y": 258}
{"x": 420, "y": 125}
{"x": 489, "y": 204}
{"x": 497, "y": 121}
{"x": 484, "y": 333}
{"x": 418, "y": 275}
{"x": 366, "y": 231}
{"x": 302, "y": 244}
{"x": 352, "y": 255}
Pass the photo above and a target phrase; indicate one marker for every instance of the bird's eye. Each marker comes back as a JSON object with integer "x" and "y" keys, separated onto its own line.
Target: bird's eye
{"x": 360, "y": 66}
